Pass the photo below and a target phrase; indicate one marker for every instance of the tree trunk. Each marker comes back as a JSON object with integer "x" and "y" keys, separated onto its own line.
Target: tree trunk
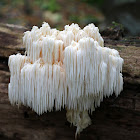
{"x": 116, "y": 118}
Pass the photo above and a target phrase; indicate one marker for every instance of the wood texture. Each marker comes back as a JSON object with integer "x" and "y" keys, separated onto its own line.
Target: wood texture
{"x": 116, "y": 119}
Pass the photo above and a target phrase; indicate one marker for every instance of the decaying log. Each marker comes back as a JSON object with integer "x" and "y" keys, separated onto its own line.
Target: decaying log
{"x": 117, "y": 118}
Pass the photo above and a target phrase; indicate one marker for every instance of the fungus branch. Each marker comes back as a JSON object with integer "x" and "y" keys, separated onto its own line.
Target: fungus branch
{"x": 69, "y": 68}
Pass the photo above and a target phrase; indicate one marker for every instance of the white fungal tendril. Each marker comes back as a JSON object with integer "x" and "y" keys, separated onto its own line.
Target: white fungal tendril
{"x": 69, "y": 68}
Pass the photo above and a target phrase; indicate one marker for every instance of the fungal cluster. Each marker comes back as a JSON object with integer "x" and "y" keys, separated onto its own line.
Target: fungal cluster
{"x": 65, "y": 69}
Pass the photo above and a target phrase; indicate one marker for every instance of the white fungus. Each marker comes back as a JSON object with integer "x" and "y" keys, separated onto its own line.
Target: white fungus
{"x": 65, "y": 69}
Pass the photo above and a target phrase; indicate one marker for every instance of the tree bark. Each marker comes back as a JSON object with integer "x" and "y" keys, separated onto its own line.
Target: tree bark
{"x": 116, "y": 118}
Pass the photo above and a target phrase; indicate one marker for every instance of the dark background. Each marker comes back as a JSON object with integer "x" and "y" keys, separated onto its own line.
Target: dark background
{"x": 61, "y": 12}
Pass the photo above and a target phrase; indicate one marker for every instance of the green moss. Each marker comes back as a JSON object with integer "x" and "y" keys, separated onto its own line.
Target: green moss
{"x": 116, "y": 25}
{"x": 50, "y": 5}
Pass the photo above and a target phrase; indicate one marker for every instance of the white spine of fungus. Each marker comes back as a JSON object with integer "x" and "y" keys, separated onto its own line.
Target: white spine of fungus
{"x": 69, "y": 68}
